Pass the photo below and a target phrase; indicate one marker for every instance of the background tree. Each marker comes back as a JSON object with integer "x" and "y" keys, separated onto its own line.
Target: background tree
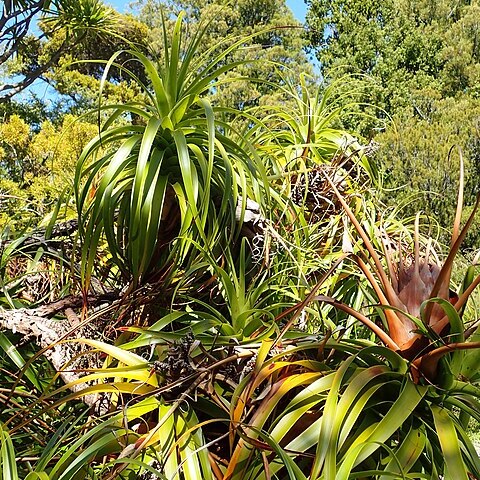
{"x": 77, "y": 74}
{"x": 411, "y": 49}
{"x": 15, "y": 22}
{"x": 26, "y": 54}
{"x": 35, "y": 167}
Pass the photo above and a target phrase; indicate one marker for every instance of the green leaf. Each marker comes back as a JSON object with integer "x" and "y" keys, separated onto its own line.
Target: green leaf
{"x": 447, "y": 434}
{"x": 7, "y": 456}
{"x": 405, "y": 456}
{"x": 37, "y": 476}
{"x": 401, "y": 409}
{"x": 18, "y": 360}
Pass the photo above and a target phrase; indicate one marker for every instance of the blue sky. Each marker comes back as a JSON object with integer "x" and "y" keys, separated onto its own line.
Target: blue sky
{"x": 298, "y": 7}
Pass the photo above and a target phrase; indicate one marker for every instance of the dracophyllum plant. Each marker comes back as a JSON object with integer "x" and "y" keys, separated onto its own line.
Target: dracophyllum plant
{"x": 423, "y": 316}
{"x": 171, "y": 176}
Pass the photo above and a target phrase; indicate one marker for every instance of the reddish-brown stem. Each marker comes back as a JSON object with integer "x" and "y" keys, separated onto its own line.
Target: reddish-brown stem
{"x": 383, "y": 336}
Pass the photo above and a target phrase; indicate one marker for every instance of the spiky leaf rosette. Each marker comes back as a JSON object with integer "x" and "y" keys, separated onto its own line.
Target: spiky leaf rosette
{"x": 157, "y": 186}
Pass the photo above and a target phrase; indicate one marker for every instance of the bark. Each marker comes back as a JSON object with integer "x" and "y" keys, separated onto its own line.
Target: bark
{"x": 35, "y": 325}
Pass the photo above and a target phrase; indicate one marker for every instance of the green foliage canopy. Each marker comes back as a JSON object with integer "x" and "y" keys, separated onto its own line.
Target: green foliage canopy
{"x": 407, "y": 47}
{"x": 36, "y": 166}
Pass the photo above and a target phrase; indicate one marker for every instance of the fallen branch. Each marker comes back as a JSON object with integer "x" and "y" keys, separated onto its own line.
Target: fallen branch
{"x": 39, "y": 237}
{"x": 35, "y": 325}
